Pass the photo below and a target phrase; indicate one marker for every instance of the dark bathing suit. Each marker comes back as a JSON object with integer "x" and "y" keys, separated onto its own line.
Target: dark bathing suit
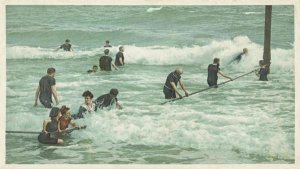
{"x": 66, "y": 47}
{"x": 168, "y": 90}
{"x": 263, "y": 74}
{"x": 118, "y": 56}
{"x": 212, "y": 76}
{"x": 105, "y": 63}
{"x": 46, "y": 138}
{"x": 105, "y": 100}
{"x": 238, "y": 58}
{"x": 45, "y": 96}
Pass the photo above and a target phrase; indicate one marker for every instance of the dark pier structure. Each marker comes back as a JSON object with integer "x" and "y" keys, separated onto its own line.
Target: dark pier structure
{"x": 267, "y": 40}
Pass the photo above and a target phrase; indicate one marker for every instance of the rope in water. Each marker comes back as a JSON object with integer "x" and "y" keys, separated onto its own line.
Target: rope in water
{"x": 38, "y": 132}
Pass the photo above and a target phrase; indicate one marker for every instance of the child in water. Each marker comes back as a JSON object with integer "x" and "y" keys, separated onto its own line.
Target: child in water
{"x": 65, "y": 119}
{"x": 95, "y": 68}
{"x": 262, "y": 73}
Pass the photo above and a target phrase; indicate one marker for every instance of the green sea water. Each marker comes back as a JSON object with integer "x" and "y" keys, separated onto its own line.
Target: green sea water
{"x": 242, "y": 122}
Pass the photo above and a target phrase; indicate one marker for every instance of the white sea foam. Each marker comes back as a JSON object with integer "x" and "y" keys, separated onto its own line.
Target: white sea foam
{"x": 203, "y": 55}
{"x": 226, "y": 50}
{"x": 252, "y": 13}
{"x": 154, "y": 9}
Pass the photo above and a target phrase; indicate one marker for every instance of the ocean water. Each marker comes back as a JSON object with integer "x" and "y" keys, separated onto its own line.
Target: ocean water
{"x": 245, "y": 121}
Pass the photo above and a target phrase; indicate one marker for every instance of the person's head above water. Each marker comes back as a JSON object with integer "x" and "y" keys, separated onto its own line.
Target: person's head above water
{"x": 178, "y": 71}
{"x": 54, "y": 112}
{"x": 121, "y": 48}
{"x": 261, "y": 62}
{"x": 216, "y": 61}
{"x": 67, "y": 41}
{"x": 95, "y": 67}
{"x": 51, "y": 71}
{"x": 245, "y": 50}
{"x": 106, "y": 51}
{"x": 65, "y": 111}
{"x": 107, "y": 41}
{"x": 114, "y": 92}
{"x": 88, "y": 96}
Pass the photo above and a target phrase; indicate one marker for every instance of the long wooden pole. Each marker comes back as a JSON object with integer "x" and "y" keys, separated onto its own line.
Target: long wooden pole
{"x": 267, "y": 39}
{"x": 202, "y": 90}
{"x": 38, "y": 132}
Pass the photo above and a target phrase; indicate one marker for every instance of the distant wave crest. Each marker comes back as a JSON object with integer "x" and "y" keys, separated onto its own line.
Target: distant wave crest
{"x": 252, "y": 13}
{"x": 154, "y": 9}
{"x": 226, "y": 50}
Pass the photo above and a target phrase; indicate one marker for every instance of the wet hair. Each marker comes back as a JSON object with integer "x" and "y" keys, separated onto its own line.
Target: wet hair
{"x": 88, "y": 93}
{"x": 261, "y": 62}
{"x": 245, "y": 50}
{"x": 114, "y": 92}
{"x": 95, "y": 66}
{"x": 121, "y": 47}
{"x": 54, "y": 112}
{"x": 107, "y": 41}
{"x": 216, "y": 60}
{"x": 106, "y": 51}
{"x": 67, "y": 40}
{"x": 50, "y": 70}
{"x": 64, "y": 109}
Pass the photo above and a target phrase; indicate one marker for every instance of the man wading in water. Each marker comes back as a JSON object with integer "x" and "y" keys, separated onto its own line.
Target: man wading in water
{"x": 45, "y": 89}
{"x": 105, "y": 62}
{"x": 170, "y": 87}
{"x": 213, "y": 71}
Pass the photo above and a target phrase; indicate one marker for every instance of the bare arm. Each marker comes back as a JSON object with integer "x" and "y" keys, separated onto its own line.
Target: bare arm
{"x": 56, "y": 49}
{"x": 74, "y": 125}
{"x": 183, "y": 88}
{"x": 37, "y": 93}
{"x": 114, "y": 66}
{"x": 118, "y": 105}
{"x": 58, "y": 127}
{"x": 45, "y": 125}
{"x": 175, "y": 88}
{"x": 120, "y": 59}
{"x": 222, "y": 74}
{"x": 257, "y": 73}
{"x": 53, "y": 89}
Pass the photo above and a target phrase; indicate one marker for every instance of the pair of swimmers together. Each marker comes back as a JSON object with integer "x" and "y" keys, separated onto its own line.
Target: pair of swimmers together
{"x": 62, "y": 117}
